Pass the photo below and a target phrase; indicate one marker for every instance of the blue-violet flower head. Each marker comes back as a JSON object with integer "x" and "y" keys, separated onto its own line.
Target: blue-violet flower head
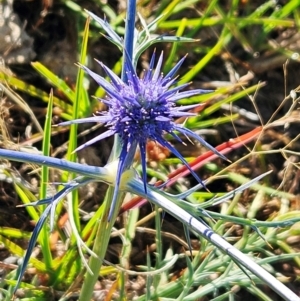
{"x": 141, "y": 109}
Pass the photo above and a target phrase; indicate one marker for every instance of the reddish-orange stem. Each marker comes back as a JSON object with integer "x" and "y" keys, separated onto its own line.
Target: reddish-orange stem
{"x": 223, "y": 148}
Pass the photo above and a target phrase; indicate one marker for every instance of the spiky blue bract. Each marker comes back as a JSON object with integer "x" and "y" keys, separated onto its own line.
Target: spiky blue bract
{"x": 141, "y": 109}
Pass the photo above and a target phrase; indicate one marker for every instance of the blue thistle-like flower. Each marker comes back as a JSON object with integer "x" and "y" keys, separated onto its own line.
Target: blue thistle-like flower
{"x": 141, "y": 109}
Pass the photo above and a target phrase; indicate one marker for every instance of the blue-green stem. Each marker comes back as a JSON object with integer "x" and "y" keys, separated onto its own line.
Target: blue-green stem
{"x": 99, "y": 248}
{"x": 98, "y": 173}
{"x": 127, "y": 54}
{"x": 129, "y": 35}
{"x": 168, "y": 203}
{"x": 106, "y": 224}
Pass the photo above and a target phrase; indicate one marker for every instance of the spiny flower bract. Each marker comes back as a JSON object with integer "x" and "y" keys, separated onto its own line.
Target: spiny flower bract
{"x": 141, "y": 109}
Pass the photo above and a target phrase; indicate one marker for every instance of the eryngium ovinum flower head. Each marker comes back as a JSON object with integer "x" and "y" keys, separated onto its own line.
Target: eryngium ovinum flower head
{"x": 141, "y": 109}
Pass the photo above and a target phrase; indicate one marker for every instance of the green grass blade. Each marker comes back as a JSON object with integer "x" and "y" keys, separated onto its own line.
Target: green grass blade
{"x": 55, "y": 80}
{"x": 80, "y": 94}
{"x": 172, "y": 54}
{"x": 222, "y": 42}
{"x": 35, "y": 92}
{"x": 45, "y": 182}
{"x": 215, "y": 107}
{"x": 213, "y": 21}
{"x": 46, "y": 148}
{"x": 73, "y": 200}
{"x": 27, "y": 197}
{"x": 15, "y": 249}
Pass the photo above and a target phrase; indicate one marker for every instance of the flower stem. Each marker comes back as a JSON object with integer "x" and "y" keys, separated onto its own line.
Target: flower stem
{"x": 99, "y": 173}
{"x": 100, "y": 247}
{"x": 129, "y": 35}
{"x": 127, "y": 54}
{"x": 106, "y": 223}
